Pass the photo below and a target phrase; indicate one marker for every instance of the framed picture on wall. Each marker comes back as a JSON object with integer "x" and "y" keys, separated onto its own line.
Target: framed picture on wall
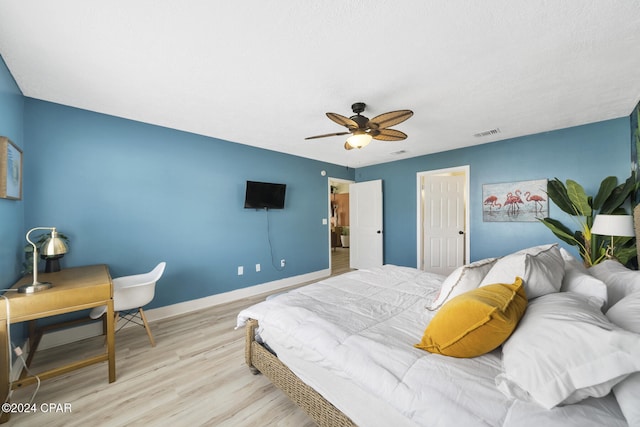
{"x": 10, "y": 170}
{"x": 515, "y": 201}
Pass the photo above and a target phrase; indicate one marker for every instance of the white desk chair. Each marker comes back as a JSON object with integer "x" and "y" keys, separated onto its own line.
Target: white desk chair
{"x": 130, "y": 293}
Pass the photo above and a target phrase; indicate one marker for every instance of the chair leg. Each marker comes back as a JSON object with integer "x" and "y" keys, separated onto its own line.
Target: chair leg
{"x": 146, "y": 327}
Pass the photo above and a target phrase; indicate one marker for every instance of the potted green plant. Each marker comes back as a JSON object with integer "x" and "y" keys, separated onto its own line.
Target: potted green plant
{"x": 572, "y": 199}
{"x": 344, "y": 237}
{"x": 52, "y": 262}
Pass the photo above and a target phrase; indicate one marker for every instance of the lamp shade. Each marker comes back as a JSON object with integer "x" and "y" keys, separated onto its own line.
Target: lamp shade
{"x": 359, "y": 139}
{"x": 54, "y": 245}
{"x": 613, "y": 225}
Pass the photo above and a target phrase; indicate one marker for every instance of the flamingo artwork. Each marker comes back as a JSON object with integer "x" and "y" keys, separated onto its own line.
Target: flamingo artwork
{"x": 536, "y": 199}
{"x": 492, "y": 202}
{"x": 515, "y": 201}
{"x": 512, "y": 201}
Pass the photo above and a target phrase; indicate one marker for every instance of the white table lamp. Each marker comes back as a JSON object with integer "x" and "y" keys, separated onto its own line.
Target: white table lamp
{"x": 613, "y": 225}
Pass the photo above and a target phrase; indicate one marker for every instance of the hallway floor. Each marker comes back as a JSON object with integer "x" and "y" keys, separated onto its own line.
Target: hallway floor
{"x": 339, "y": 261}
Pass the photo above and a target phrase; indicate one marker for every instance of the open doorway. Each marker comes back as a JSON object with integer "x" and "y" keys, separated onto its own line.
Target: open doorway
{"x": 339, "y": 244}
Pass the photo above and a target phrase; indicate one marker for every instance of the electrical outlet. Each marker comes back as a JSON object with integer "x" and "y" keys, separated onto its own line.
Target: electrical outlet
{"x": 240, "y": 270}
{"x": 282, "y": 262}
{"x": 257, "y": 267}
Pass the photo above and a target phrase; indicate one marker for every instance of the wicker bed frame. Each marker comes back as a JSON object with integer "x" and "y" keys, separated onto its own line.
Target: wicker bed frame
{"x": 261, "y": 360}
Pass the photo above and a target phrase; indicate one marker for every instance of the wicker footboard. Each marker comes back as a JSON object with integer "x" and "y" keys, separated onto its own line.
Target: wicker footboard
{"x": 259, "y": 359}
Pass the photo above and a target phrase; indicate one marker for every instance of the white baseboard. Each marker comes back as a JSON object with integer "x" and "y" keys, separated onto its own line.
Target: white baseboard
{"x": 89, "y": 330}
{"x": 217, "y": 299}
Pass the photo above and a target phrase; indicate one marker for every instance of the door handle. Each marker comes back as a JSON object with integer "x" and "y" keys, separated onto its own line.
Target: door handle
{"x": 460, "y": 232}
{"x": 379, "y": 231}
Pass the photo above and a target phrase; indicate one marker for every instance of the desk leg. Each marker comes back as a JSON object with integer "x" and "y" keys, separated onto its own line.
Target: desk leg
{"x": 4, "y": 369}
{"x": 111, "y": 341}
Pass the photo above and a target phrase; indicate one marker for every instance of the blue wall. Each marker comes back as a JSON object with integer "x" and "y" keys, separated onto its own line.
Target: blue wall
{"x": 11, "y": 211}
{"x": 130, "y": 194}
{"x": 586, "y": 154}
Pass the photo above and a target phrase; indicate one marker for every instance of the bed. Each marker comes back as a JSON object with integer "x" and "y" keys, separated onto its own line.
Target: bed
{"x": 344, "y": 348}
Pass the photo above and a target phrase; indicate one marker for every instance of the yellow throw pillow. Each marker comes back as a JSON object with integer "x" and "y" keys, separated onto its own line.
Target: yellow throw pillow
{"x": 477, "y": 321}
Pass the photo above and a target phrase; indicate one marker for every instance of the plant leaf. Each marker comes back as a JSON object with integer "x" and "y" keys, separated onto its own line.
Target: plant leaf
{"x": 560, "y": 230}
{"x": 557, "y": 192}
{"x": 578, "y": 198}
{"x": 624, "y": 255}
{"x": 606, "y": 187}
{"x": 618, "y": 196}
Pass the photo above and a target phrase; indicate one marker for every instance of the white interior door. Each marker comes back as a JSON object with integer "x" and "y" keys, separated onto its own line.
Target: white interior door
{"x": 365, "y": 224}
{"x": 443, "y": 223}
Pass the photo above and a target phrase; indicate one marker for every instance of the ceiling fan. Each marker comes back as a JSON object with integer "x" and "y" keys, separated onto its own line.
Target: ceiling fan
{"x": 363, "y": 129}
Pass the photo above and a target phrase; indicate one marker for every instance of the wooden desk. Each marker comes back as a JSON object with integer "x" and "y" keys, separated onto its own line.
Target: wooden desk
{"x": 73, "y": 289}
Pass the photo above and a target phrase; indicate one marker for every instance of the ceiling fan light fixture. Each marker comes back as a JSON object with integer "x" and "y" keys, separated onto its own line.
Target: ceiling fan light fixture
{"x": 359, "y": 139}
{"x": 363, "y": 130}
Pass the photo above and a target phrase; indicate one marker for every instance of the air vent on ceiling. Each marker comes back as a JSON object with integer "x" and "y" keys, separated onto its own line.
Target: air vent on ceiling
{"x": 487, "y": 133}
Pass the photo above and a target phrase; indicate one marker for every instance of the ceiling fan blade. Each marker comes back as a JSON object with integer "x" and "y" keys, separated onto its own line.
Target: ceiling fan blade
{"x": 343, "y": 121}
{"x": 389, "y": 135}
{"x": 328, "y": 134}
{"x": 391, "y": 118}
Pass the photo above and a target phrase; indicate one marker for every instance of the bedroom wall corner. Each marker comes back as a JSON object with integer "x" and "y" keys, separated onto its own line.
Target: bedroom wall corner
{"x": 133, "y": 194}
{"x": 11, "y": 211}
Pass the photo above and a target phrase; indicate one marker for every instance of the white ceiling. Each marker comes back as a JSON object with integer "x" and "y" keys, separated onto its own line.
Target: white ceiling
{"x": 263, "y": 73}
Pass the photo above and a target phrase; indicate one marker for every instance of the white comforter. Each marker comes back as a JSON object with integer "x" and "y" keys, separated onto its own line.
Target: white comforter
{"x": 362, "y": 326}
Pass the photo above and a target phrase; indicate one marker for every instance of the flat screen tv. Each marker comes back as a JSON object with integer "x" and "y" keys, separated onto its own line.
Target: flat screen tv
{"x": 264, "y": 195}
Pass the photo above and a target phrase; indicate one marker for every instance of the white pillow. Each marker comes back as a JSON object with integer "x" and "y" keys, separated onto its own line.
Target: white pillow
{"x": 627, "y": 394}
{"x": 619, "y": 279}
{"x": 626, "y": 313}
{"x": 463, "y": 279}
{"x": 573, "y": 261}
{"x": 565, "y": 350}
{"x": 541, "y": 269}
{"x": 577, "y": 279}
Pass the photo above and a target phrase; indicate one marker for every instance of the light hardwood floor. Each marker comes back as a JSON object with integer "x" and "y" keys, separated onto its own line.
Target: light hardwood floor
{"x": 195, "y": 376}
{"x": 339, "y": 261}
